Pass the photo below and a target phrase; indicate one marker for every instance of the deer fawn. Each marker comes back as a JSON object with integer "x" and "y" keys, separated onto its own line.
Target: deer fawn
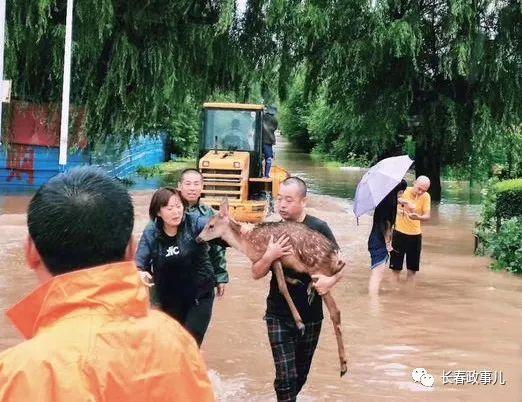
{"x": 312, "y": 254}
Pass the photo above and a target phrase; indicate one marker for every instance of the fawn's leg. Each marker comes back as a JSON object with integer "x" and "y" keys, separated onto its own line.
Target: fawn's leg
{"x": 281, "y": 283}
{"x": 335, "y": 315}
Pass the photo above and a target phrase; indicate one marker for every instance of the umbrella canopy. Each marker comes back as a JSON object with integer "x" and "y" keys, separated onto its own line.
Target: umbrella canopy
{"x": 378, "y": 182}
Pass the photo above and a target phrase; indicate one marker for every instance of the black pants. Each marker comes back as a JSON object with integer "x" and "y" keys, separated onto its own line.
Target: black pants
{"x": 292, "y": 354}
{"x": 193, "y": 314}
{"x": 409, "y": 245}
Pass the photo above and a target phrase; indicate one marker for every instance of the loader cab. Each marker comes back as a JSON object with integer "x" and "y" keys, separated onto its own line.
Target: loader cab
{"x": 233, "y": 128}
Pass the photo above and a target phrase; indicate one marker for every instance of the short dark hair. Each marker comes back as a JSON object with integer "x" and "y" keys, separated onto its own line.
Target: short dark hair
{"x": 189, "y": 170}
{"x": 80, "y": 219}
{"x": 161, "y": 198}
{"x": 299, "y": 182}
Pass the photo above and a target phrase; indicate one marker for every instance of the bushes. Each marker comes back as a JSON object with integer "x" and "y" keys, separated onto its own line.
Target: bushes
{"x": 506, "y": 246}
{"x": 500, "y": 228}
{"x": 509, "y": 198}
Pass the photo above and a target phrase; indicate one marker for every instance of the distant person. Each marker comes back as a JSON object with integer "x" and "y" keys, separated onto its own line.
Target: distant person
{"x": 91, "y": 335}
{"x": 414, "y": 207}
{"x": 181, "y": 269}
{"x": 380, "y": 239}
{"x": 234, "y": 139}
{"x": 269, "y": 139}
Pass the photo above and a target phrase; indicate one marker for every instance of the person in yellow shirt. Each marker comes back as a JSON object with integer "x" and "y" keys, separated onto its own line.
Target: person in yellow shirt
{"x": 91, "y": 334}
{"x": 413, "y": 208}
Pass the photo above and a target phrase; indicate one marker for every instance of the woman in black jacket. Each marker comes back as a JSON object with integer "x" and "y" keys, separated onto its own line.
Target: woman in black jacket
{"x": 183, "y": 274}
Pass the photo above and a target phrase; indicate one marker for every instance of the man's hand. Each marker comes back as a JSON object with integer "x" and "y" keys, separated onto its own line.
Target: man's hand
{"x": 389, "y": 246}
{"x": 220, "y": 289}
{"x": 414, "y": 216}
{"x": 146, "y": 278}
{"x": 279, "y": 248}
{"x": 406, "y": 205}
{"x": 275, "y": 250}
{"x": 323, "y": 283}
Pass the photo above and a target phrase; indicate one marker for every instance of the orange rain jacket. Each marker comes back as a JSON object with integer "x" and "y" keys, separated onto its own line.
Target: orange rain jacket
{"x": 93, "y": 337}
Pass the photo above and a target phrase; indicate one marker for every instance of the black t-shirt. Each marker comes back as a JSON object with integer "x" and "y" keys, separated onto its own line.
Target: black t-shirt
{"x": 276, "y": 304}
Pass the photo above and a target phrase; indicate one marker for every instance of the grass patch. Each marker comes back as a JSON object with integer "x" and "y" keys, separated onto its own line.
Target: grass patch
{"x": 170, "y": 168}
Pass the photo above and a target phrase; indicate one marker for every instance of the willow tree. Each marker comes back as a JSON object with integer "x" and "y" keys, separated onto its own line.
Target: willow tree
{"x": 134, "y": 62}
{"x": 448, "y": 72}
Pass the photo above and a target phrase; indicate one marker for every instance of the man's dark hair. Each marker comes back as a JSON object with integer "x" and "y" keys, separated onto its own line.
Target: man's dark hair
{"x": 299, "y": 182}
{"x": 161, "y": 198}
{"x": 80, "y": 219}
{"x": 235, "y": 124}
{"x": 189, "y": 170}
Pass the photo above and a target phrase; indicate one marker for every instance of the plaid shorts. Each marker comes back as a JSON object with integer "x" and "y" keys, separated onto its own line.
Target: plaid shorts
{"x": 292, "y": 354}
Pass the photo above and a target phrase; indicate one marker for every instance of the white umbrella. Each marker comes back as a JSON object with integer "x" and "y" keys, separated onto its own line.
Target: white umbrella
{"x": 378, "y": 182}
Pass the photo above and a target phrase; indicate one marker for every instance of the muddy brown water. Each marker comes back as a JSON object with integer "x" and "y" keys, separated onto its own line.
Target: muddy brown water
{"x": 460, "y": 316}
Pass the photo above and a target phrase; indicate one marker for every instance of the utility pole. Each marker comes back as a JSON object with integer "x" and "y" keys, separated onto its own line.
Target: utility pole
{"x": 2, "y": 43}
{"x": 64, "y": 128}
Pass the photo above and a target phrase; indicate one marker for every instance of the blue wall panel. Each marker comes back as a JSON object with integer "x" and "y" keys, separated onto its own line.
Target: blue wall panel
{"x": 28, "y": 167}
{"x": 25, "y": 168}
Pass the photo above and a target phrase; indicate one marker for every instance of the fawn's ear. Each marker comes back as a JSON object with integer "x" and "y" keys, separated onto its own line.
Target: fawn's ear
{"x": 223, "y": 208}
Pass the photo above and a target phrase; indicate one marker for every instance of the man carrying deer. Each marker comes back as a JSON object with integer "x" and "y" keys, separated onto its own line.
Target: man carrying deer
{"x": 292, "y": 352}
{"x": 304, "y": 258}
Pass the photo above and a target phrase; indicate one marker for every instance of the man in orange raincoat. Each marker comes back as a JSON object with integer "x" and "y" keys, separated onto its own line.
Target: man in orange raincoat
{"x": 91, "y": 335}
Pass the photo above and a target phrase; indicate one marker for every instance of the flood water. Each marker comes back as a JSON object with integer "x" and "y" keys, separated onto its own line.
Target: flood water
{"x": 460, "y": 316}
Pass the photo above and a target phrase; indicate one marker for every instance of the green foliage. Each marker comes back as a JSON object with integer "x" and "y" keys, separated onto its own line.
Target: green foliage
{"x": 486, "y": 227}
{"x": 372, "y": 68}
{"x": 185, "y": 127}
{"x": 506, "y": 246}
{"x": 509, "y": 198}
{"x": 292, "y": 117}
{"x": 502, "y": 200}
{"x": 168, "y": 171}
{"x": 458, "y": 172}
{"x": 437, "y": 79}
{"x": 135, "y": 64}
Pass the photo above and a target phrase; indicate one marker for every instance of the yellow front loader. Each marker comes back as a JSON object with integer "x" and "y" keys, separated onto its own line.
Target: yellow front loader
{"x": 231, "y": 161}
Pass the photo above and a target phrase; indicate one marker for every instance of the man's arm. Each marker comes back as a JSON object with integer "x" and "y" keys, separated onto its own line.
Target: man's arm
{"x": 274, "y": 251}
{"x": 416, "y": 217}
{"x": 323, "y": 283}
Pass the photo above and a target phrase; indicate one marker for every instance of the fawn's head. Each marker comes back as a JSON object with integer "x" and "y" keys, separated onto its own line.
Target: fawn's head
{"x": 218, "y": 226}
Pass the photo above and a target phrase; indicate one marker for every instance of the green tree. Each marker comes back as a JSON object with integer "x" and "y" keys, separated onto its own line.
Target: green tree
{"x": 446, "y": 72}
{"x": 135, "y": 63}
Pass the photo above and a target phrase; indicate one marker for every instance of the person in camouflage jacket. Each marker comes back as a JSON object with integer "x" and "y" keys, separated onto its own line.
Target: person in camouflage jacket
{"x": 190, "y": 185}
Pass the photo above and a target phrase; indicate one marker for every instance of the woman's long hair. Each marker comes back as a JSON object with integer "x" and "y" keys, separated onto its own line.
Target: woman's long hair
{"x": 386, "y": 211}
